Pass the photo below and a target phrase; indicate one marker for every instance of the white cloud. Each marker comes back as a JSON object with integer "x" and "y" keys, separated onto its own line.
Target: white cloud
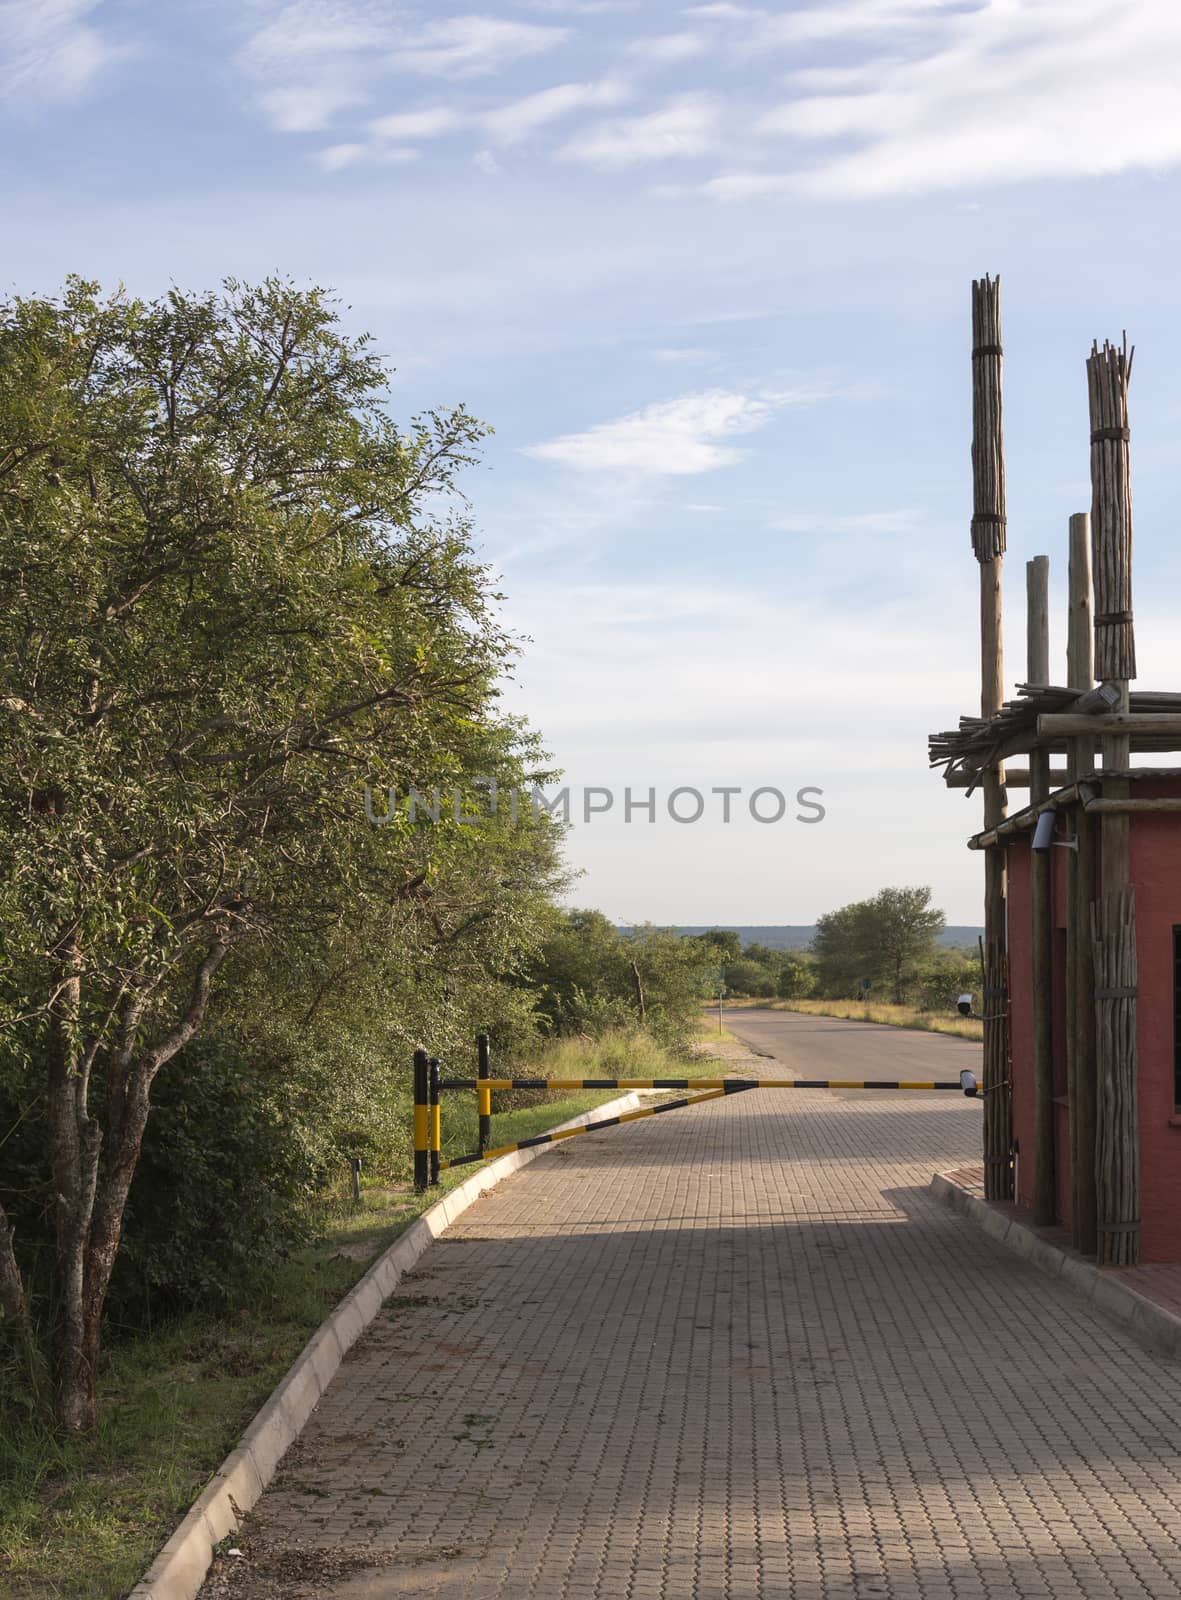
{"x": 486, "y": 162}
{"x": 1003, "y": 92}
{"x": 672, "y": 437}
{"x": 668, "y": 48}
{"x": 515, "y": 121}
{"x": 338, "y": 156}
{"x": 427, "y": 123}
{"x": 48, "y": 50}
{"x": 306, "y": 108}
{"x": 684, "y": 128}
{"x": 746, "y": 185}
{"x": 461, "y": 47}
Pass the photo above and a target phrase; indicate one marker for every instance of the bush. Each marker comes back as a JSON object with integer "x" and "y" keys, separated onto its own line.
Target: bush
{"x": 220, "y": 1194}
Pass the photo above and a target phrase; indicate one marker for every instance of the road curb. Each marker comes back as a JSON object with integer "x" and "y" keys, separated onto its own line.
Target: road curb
{"x": 182, "y": 1564}
{"x": 1151, "y": 1323}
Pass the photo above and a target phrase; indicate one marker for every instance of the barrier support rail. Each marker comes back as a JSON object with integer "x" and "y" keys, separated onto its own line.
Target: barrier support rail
{"x": 486, "y": 1085}
{"x": 731, "y": 1087}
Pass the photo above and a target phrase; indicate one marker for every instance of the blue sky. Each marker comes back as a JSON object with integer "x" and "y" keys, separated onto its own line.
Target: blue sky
{"x": 705, "y": 269}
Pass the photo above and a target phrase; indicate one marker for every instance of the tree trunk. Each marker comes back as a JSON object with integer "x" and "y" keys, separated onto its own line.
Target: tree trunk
{"x": 98, "y": 1208}
{"x": 12, "y": 1288}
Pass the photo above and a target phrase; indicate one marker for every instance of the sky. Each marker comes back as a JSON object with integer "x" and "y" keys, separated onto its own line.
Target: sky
{"x": 705, "y": 269}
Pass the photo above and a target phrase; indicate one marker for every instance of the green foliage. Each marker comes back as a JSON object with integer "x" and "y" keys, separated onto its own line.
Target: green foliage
{"x": 888, "y": 940}
{"x": 592, "y": 980}
{"x": 749, "y": 977}
{"x": 238, "y": 594}
{"x": 724, "y": 941}
{"x": 797, "y": 978}
{"x": 221, "y": 1193}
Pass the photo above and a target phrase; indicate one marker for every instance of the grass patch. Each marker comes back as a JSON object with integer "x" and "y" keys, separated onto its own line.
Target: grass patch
{"x": 83, "y": 1519}
{"x": 878, "y": 1011}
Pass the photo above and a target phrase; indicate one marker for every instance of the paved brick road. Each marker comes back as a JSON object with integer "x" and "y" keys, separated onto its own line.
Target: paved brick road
{"x": 734, "y": 1353}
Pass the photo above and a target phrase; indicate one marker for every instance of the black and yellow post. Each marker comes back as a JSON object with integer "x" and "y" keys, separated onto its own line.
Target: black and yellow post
{"x": 435, "y": 1130}
{"x": 483, "y": 1093}
{"x": 422, "y": 1169}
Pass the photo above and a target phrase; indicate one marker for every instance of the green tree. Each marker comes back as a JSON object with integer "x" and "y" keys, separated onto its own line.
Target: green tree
{"x": 797, "y": 978}
{"x": 591, "y": 978}
{"x": 886, "y": 939}
{"x": 234, "y": 593}
{"x": 723, "y": 943}
{"x": 747, "y": 977}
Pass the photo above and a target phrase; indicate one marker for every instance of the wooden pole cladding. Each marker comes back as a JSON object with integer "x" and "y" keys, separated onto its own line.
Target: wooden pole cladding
{"x": 1037, "y": 591}
{"x": 1080, "y": 889}
{"x": 988, "y": 545}
{"x": 1113, "y": 921}
{"x": 1080, "y": 654}
{"x": 1115, "y": 724}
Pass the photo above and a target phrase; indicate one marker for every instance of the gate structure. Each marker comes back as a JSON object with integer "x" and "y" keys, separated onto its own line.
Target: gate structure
{"x": 429, "y": 1087}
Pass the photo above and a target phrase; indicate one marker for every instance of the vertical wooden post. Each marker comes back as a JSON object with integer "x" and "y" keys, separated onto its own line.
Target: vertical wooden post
{"x": 1037, "y": 582}
{"x": 1113, "y": 924}
{"x": 988, "y": 545}
{"x": 1080, "y": 890}
{"x": 483, "y": 1094}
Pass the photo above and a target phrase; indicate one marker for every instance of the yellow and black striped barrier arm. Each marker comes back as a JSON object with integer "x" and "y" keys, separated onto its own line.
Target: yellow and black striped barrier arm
{"x": 731, "y": 1087}
{"x": 726, "y": 1085}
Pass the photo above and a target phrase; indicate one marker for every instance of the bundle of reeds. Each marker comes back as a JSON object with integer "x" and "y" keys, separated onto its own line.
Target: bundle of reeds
{"x": 1108, "y": 373}
{"x": 988, "y": 447}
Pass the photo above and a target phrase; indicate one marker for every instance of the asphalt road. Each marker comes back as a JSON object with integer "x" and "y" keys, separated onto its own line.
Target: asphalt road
{"x": 831, "y": 1047}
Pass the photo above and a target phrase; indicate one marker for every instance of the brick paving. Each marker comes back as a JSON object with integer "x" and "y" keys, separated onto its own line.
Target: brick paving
{"x": 735, "y": 1353}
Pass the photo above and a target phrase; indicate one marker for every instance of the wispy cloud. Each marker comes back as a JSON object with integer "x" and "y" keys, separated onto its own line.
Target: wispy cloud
{"x": 672, "y": 437}
{"x": 49, "y": 50}
{"x": 427, "y": 123}
{"x": 463, "y": 47}
{"x": 1001, "y": 92}
{"x": 686, "y": 127}
{"x": 508, "y": 124}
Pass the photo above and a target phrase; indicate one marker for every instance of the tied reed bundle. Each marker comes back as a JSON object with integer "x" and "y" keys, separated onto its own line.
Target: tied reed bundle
{"x": 1108, "y": 374}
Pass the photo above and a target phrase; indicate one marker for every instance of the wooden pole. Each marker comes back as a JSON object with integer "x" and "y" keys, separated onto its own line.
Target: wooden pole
{"x": 1113, "y": 920}
{"x": 1037, "y": 590}
{"x": 1080, "y": 889}
{"x": 988, "y": 545}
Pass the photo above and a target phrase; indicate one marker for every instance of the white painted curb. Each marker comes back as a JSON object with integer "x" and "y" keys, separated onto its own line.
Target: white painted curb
{"x": 1153, "y": 1325}
{"x": 180, "y": 1569}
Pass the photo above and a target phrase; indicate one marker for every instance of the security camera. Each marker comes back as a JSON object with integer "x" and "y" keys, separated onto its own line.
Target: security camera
{"x": 968, "y": 1083}
{"x": 964, "y": 1005}
{"x": 1043, "y": 834}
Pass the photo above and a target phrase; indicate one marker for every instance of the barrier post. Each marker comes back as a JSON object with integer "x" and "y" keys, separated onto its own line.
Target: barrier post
{"x": 421, "y": 1120}
{"x": 483, "y": 1094}
{"x": 434, "y": 1133}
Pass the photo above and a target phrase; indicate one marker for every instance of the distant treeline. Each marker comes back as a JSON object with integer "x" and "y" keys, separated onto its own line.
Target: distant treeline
{"x": 799, "y": 936}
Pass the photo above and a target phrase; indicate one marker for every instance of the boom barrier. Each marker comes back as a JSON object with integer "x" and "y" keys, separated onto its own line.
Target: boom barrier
{"x": 429, "y": 1087}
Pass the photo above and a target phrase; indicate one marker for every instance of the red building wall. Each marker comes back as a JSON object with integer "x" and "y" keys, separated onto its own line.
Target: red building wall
{"x": 1021, "y": 1012}
{"x": 1156, "y": 876}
